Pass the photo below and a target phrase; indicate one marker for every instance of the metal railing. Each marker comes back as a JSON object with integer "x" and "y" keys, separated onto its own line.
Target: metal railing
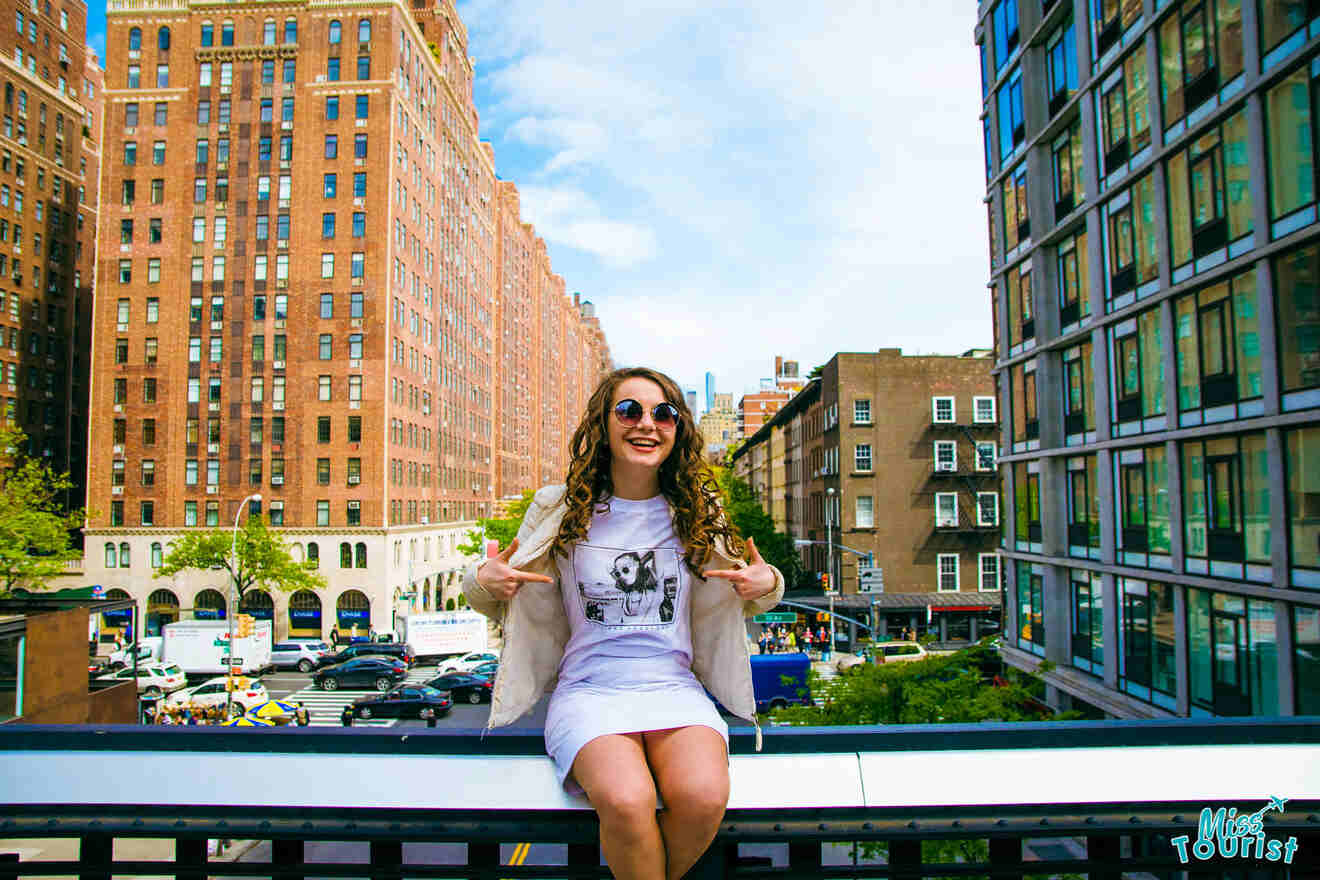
{"x": 1118, "y": 793}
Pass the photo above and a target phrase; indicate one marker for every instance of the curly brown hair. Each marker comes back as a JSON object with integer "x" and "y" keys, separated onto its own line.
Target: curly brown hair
{"x": 686, "y": 480}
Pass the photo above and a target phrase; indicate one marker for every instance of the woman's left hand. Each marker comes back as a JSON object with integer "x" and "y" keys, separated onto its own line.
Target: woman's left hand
{"x": 752, "y": 582}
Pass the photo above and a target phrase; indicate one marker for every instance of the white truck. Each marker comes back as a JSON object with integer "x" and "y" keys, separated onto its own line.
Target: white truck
{"x": 201, "y": 647}
{"x": 441, "y": 634}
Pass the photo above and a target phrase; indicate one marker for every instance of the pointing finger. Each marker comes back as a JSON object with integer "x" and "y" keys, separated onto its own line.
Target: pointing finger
{"x": 755, "y": 554}
{"x": 730, "y": 575}
{"x": 531, "y": 577}
{"x": 508, "y": 551}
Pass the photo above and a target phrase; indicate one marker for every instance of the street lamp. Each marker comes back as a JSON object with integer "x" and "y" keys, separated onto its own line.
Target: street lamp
{"x": 829, "y": 559}
{"x": 232, "y": 610}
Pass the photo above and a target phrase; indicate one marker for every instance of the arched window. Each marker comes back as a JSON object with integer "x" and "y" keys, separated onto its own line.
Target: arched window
{"x": 268, "y": 32}
{"x": 313, "y": 555}
{"x": 290, "y": 30}
{"x": 124, "y": 558}
{"x": 364, "y": 30}
{"x": 163, "y": 39}
{"x": 336, "y": 31}
{"x": 156, "y": 556}
{"x": 208, "y": 34}
{"x": 361, "y": 554}
{"x": 227, "y": 33}
{"x": 134, "y": 39}
{"x": 345, "y": 555}
{"x": 111, "y": 559}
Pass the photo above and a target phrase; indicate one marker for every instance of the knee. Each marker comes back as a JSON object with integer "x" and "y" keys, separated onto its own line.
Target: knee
{"x": 626, "y": 805}
{"x": 703, "y": 799}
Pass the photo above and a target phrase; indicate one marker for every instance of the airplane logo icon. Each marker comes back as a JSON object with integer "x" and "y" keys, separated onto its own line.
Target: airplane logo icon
{"x": 1277, "y": 803}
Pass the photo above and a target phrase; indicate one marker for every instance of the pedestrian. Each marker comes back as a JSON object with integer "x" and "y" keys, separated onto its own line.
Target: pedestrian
{"x": 334, "y": 636}
{"x": 301, "y": 715}
{"x": 635, "y": 562}
{"x": 371, "y": 634}
{"x": 762, "y": 641}
{"x": 346, "y": 717}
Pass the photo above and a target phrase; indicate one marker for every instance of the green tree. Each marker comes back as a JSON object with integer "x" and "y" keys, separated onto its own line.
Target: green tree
{"x": 35, "y": 529}
{"x": 745, "y": 512}
{"x": 502, "y": 528}
{"x": 263, "y": 558}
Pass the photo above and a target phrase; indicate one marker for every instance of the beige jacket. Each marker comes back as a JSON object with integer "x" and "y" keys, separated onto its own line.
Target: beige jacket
{"x": 536, "y": 626}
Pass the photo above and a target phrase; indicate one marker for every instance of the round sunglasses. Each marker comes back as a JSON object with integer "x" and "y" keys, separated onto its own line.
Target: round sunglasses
{"x": 629, "y": 413}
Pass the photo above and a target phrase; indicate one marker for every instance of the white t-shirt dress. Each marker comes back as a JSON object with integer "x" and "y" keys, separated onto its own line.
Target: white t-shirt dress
{"x": 627, "y": 664}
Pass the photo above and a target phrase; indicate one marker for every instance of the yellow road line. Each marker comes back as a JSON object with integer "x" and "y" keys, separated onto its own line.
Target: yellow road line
{"x": 519, "y": 854}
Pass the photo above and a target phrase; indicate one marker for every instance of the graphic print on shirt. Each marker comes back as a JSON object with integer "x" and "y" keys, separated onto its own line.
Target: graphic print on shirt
{"x": 627, "y": 588}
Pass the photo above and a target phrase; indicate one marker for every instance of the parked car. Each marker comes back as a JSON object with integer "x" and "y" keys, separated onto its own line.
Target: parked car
{"x": 487, "y": 670}
{"x": 408, "y": 701}
{"x": 248, "y": 693}
{"x": 899, "y": 651}
{"x": 148, "y": 650}
{"x": 392, "y": 650}
{"x": 467, "y": 662}
{"x": 304, "y": 656}
{"x": 382, "y": 673}
{"x": 464, "y": 686}
{"x": 154, "y": 680}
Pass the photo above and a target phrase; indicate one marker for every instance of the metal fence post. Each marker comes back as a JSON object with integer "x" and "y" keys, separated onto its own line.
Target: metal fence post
{"x": 483, "y": 854}
{"x": 96, "y": 852}
{"x": 286, "y": 856}
{"x": 904, "y": 854}
{"x": 1104, "y": 850}
{"x": 386, "y": 859}
{"x": 190, "y": 858}
{"x": 1006, "y": 851}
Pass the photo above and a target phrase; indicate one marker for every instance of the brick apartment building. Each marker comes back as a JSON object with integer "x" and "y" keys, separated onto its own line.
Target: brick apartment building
{"x": 908, "y": 446}
{"x": 48, "y": 188}
{"x": 304, "y": 304}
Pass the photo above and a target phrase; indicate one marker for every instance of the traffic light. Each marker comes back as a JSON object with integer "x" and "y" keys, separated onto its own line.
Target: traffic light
{"x": 244, "y": 626}
{"x": 822, "y": 617}
{"x": 825, "y": 580}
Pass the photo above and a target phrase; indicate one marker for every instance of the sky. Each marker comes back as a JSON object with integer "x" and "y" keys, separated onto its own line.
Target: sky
{"x": 729, "y": 181}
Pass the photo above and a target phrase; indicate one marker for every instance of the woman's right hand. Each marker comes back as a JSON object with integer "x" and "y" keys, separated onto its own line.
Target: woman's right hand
{"x": 497, "y": 578}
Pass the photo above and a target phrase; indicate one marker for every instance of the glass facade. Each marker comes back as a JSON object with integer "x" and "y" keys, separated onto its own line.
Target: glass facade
{"x": 1163, "y": 401}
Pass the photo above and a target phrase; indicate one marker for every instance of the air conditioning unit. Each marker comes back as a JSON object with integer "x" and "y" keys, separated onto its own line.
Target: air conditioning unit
{"x": 279, "y": 365}
{"x": 277, "y": 405}
{"x": 213, "y": 448}
{"x": 277, "y": 481}
{"x": 353, "y": 481}
{"x": 212, "y": 490}
{"x": 355, "y": 404}
{"x": 116, "y": 490}
{"x": 217, "y": 325}
{"x": 945, "y": 466}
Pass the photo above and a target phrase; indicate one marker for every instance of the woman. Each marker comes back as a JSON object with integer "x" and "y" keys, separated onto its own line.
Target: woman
{"x": 624, "y": 594}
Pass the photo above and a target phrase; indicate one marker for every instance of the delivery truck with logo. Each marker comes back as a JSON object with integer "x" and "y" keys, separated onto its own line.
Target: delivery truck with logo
{"x": 201, "y": 647}
{"x": 439, "y": 634}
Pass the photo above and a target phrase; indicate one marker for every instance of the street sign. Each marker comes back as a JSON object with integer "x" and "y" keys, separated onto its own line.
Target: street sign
{"x": 870, "y": 580}
{"x": 776, "y": 617}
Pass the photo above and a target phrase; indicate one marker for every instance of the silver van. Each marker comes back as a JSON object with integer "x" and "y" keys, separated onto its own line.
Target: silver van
{"x": 303, "y": 656}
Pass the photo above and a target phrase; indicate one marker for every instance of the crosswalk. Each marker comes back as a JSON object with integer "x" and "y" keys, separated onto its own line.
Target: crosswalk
{"x": 325, "y": 708}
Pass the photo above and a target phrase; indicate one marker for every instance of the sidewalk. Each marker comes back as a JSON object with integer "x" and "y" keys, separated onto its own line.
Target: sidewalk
{"x": 41, "y": 849}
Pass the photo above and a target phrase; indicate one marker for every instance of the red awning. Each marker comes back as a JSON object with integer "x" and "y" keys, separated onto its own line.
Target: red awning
{"x": 941, "y": 608}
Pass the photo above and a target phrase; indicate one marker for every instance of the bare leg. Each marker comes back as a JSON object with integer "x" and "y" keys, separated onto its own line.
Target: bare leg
{"x": 612, "y": 770}
{"x": 691, "y": 766}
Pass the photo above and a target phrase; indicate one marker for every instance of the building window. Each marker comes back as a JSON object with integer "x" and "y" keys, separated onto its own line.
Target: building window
{"x": 1083, "y": 507}
{"x": 988, "y": 569}
{"x": 1012, "y": 123}
{"x": 946, "y": 456}
{"x": 987, "y": 509}
{"x": 1306, "y": 648}
{"x": 1004, "y": 21}
{"x": 1209, "y": 196}
{"x": 862, "y": 411}
{"x": 116, "y": 513}
{"x": 1015, "y": 207}
{"x": 986, "y": 455}
{"x": 1087, "y": 635}
{"x": 327, "y": 265}
{"x": 1141, "y": 493}
{"x": 1217, "y": 345}
{"x": 1124, "y": 114}
{"x": 355, "y": 429}
{"x": 943, "y": 410}
{"x": 1200, "y": 51}
{"x": 157, "y": 557}
{"x": 864, "y": 512}
{"x": 1232, "y": 654}
{"x": 1078, "y": 401}
{"x": 1061, "y": 66}
{"x": 111, "y": 557}
{"x": 364, "y": 30}
{"x": 1026, "y": 505}
{"x": 1137, "y": 385}
{"x": 862, "y": 457}
{"x": 323, "y": 513}
{"x": 354, "y": 514}
{"x": 1031, "y": 609}
{"x": 1022, "y": 388}
{"x": 148, "y": 472}
{"x": 323, "y": 472}
{"x": 1226, "y": 507}
{"x": 213, "y": 513}
{"x": 983, "y": 410}
{"x": 946, "y": 510}
{"x": 1146, "y": 642}
{"x": 354, "y": 471}
{"x": 1302, "y": 462}
{"x": 1130, "y": 242}
{"x": 190, "y": 513}
{"x": 323, "y": 388}
{"x": 947, "y": 564}
{"x": 147, "y": 513}
{"x": 361, "y": 105}
{"x": 1290, "y": 113}
{"x": 1297, "y": 296}
{"x": 335, "y": 32}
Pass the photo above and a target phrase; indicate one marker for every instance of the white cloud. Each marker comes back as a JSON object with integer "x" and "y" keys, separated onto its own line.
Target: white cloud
{"x": 731, "y": 181}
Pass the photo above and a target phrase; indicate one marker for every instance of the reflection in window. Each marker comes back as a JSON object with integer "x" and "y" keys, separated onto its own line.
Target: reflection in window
{"x": 1087, "y": 633}
{"x": 1078, "y": 401}
{"x": 1004, "y": 20}
{"x": 1226, "y": 506}
{"x": 1124, "y": 112}
{"x": 1200, "y": 51}
{"x": 1141, "y": 491}
{"x": 1131, "y": 241}
{"x": 1302, "y": 452}
{"x": 1218, "y": 345}
{"x": 1290, "y": 118}
{"x": 1112, "y": 18}
{"x": 12, "y": 650}
{"x": 1297, "y": 292}
{"x": 1017, "y": 221}
{"x": 1209, "y": 193}
{"x": 1232, "y": 654}
{"x": 1067, "y": 165}
{"x": 1031, "y": 609}
{"x": 1026, "y": 426}
{"x": 1026, "y": 504}
{"x": 1282, "y": 21}
{"x": 1138, "y": 368}
{"x": 1074, "y": 293}
{"x": 1306, "y": 659}
{"x": 1021, "y": 315}
{"x": 1061, "y": 66}
{"x": 1012, "y": 124}
{"x": 1083, "y": 507}
{"x": 1146, "y": 664}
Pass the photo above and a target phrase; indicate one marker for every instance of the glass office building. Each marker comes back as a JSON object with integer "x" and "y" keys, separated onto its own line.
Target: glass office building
{"x": 1155, "y": 267}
